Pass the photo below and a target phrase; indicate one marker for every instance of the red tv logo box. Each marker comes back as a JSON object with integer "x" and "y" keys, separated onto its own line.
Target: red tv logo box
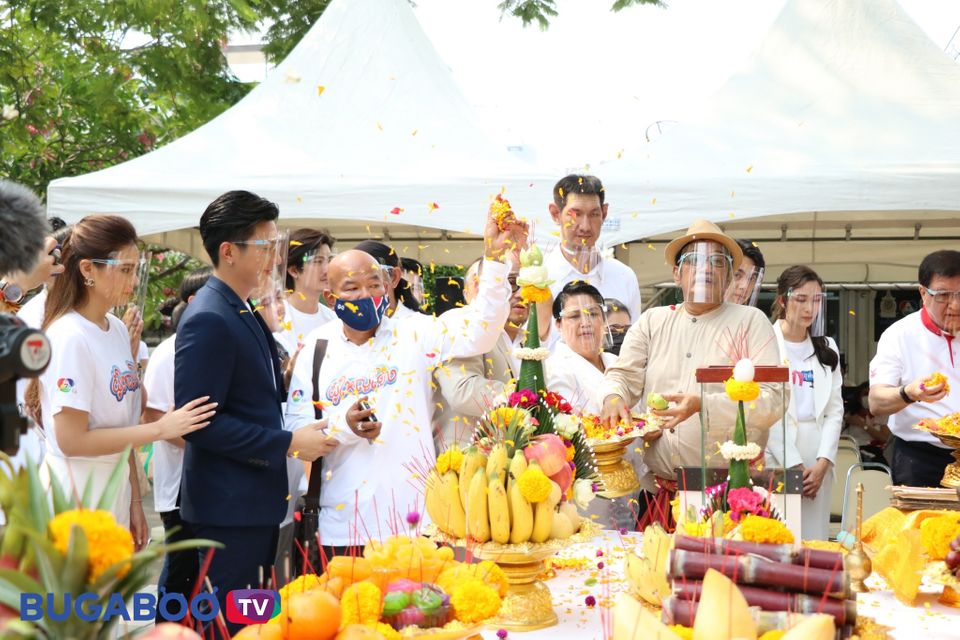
{"x": 252, "y": 606}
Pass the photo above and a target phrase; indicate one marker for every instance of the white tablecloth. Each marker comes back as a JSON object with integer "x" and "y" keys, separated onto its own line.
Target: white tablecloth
{"x": 929, "y": 620}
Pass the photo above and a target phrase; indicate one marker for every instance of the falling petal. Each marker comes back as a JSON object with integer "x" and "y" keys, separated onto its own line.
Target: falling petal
{"x": 320, "y": 89}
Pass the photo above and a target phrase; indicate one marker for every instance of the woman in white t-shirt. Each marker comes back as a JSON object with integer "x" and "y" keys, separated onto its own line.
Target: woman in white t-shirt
{"x": 307, "y": 260}
{"x": 89, "y": 398}
{"x": 814, "y": 418}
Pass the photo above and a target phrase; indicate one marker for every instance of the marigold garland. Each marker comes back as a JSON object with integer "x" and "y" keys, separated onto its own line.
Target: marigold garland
{"x": 936, "y": 534}
{"x": 760, "y": 529}
{"x": 534, "y": 485}
{"x": 530, "y": 293}
{"x": 742, "y": 391}
{"x": 474, "y": 601}
{"x": 107, "y": 542}
{"x": 360, "y": 604}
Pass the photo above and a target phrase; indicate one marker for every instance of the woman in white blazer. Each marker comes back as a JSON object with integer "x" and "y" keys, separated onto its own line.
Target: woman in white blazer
{"x": 814, "y": 417}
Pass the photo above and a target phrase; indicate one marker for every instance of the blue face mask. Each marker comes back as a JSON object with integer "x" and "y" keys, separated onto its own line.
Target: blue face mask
{"x": 362, "y": 314}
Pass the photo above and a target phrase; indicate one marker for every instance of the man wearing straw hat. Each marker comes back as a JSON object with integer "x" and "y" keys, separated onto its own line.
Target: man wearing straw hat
{"x": 663, "y": 349}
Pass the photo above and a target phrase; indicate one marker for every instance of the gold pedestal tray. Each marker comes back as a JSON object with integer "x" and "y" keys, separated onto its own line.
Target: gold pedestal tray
{"x": 951, "y": 475}
{"x": 528, "y": 605}
{"x": 618, "y": 475}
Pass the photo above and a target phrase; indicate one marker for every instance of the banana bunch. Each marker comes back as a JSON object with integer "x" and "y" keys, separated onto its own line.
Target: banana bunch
{"x": 482, "y": 501}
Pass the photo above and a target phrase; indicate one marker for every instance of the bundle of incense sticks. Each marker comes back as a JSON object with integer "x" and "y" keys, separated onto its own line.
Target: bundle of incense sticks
{"x": 815, "y": 558}
{"x": 781, "y": 580}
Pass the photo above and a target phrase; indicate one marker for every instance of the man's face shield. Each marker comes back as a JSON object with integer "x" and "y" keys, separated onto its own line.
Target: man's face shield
{"x": 745, "y": 286}
{"x": 704, "y": 272}
{"x": 266, "y": 259}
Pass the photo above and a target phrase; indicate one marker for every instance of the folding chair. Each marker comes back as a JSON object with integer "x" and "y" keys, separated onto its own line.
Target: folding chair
{"x": 875, "y": 478}
{"x": 846, "y": 458}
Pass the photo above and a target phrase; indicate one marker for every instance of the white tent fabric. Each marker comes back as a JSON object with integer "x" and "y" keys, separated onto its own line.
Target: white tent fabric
{"x": 362, "y": 119}
{"x": 847, "y": 106}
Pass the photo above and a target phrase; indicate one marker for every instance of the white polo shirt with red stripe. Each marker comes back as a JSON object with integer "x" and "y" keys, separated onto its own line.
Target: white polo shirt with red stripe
{"x": 914, "y": 347}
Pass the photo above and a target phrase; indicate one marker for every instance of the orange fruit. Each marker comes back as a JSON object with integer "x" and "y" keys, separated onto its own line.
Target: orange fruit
{"x": 359, "y": 632}
{"x": 311, "y": 615}
{"x": 349, "y": 569}
{"x": 260, "y": 632}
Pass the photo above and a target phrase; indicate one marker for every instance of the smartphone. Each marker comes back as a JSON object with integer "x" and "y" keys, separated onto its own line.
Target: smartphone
{"x": 365, "y": 406}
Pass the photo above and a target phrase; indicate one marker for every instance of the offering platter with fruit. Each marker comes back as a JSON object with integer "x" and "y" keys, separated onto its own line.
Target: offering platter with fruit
{"x": 947, "y": 430}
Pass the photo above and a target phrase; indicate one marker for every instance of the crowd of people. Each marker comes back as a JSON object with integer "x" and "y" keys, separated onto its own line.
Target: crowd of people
{"x": 336, "y": 361}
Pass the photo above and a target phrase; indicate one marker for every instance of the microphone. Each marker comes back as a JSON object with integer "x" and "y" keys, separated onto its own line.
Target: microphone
{"x": 23, "y": 228}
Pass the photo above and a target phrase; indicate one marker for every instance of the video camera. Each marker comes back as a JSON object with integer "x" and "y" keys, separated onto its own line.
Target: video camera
{"x": 24, "y": 353}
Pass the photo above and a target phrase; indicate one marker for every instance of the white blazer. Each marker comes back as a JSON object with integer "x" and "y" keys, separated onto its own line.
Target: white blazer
{"x": 828, "y": 404}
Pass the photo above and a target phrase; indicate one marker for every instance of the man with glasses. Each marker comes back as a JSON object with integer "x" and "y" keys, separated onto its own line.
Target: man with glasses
{"x": 466, "y": 386}
{"x": 663, "y": 349}
{"x": 908, "y": 353}
{"x": 234, "y": 485}
{"x": 306, "y": 279}
{"x": 618, "y": 321}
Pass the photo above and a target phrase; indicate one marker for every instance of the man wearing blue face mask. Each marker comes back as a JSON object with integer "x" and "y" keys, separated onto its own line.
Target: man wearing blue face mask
{"x": 387, "y": 362}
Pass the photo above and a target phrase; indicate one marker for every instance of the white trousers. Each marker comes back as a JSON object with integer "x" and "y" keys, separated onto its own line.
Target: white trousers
{"x": 815, "y": 512}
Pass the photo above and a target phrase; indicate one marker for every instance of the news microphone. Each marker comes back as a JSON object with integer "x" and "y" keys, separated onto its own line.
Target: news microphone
{"x": 23, "y": 228}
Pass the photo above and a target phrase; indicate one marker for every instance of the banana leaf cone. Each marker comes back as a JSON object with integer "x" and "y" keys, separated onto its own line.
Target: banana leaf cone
{"x": 531, "y": 371}
{"x": 739, "y": 474}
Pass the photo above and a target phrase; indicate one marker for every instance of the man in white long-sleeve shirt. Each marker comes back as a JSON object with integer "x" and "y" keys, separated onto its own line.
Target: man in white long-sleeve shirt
{"x": 368, "y": 487}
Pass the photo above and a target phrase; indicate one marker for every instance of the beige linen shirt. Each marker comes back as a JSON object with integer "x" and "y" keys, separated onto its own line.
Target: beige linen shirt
{"x": 661, "y": 353}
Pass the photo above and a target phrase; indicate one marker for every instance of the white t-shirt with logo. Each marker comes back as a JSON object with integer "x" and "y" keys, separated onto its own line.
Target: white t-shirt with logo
{"x": 300, "y": 324}
{"x": 801, "y": 378}
{"x": 90, "y": 370}
{"x": 167, "y": 458}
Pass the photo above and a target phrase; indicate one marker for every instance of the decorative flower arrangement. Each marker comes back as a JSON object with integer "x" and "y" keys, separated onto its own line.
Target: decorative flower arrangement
{"x": 54, "y": 543}
{"x": 529, "y": 446}
{"x": 948, "y": 425}
{"x": 597, "y": 432}
{"x": 740, "y": 388}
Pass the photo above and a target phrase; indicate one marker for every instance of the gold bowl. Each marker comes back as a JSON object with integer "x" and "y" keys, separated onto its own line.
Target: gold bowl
{"x": 951, "y": 475}
{"x": 528, "y": 605}
{"x": 618, "y": 475}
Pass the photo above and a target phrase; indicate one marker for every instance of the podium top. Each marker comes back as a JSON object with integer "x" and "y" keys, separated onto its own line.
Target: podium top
{"x": 762, "y": 373}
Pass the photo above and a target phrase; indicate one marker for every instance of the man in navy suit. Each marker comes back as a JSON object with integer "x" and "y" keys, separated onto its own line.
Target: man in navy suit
{"x": 234, "y": 486}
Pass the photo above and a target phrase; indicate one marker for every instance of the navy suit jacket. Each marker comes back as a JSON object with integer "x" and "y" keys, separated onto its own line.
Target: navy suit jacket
{"x": 235, "y": 469}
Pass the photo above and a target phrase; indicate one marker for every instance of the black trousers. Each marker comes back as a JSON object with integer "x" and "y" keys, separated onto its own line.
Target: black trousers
{"x": 237, "y": 565}
{"x": 918, "y": 464}
{"x": 180, "y": 568}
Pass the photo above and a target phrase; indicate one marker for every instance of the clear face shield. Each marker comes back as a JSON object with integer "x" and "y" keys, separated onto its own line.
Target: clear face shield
{"x": 268, "y": 257}
{"x": 944, "y": 309}
{"x": 806, "y": 307}
{"x": 584, "y": 327}
{"x": 583, "y": 258}
{"x": 745, "y": 286}
{"x": 313, "y": 268}
{"x": 124, "y": 275}
{"x": 703, "y": 272}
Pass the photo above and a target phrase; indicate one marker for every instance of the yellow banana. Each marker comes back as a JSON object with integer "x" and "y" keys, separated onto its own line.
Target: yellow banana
{"x": 497, "y": 462}
{"x": 478, "y": 522}
{"x": 499, "y": 510}
{"x": 473, "y": 459}
{"x": 521, "y": 515}
{"x": 443, "y": 503}
{"x": 543, "y": 514}
{"x": 518, "y": 464}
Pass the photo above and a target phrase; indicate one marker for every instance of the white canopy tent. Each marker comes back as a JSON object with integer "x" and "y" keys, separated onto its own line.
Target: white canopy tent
{"x": 361, "y": 129}
{"x": 847, "y": 114}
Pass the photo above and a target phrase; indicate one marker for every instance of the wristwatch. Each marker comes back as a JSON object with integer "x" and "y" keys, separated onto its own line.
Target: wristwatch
{"x": 11, "y": 292}
{"x": 904, "y": 396}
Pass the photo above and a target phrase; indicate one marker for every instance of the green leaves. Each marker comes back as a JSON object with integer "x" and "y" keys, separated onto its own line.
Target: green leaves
{"x": 541, "y": 11}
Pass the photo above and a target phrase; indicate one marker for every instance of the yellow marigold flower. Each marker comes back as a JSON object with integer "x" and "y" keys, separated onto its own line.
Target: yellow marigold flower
{"x": 742, "y": 391}
{"x": 491, "y": 573}
{"x": 456, "y": 459}
{"x": 728, "y": 523}
{"x": 486, "y": 571}
{"x": 305, "y": 582}
{"x": 571, "y": 452}
{"x": 451, "y": 459}
{"x": 361, "y": 604}
{"x": 773, "y": 634}
{"x": 107, "y": 542}
{"x": 760, "y": 529}
{"x": 534, "y": 485}
{"x": 530, "y": 293}
{"x": 685, "y": 633}
{"x": 936, "y": 534}
{"x": 474, "y": 601}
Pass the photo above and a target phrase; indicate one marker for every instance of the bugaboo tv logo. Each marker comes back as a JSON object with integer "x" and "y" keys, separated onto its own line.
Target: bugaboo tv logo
{"x": 252, "y": 606}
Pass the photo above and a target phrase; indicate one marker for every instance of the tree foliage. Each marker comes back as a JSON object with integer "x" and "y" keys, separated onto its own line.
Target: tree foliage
{"x": 542, "y": 11}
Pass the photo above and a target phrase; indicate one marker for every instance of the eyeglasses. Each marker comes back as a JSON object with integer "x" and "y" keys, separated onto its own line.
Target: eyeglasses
{"x": 715, "y": 260}
{"x": 942, "y": 297}
{"x": 618, "y": 328}
{"x": 583, "y": 313}
{"x": 317, "y": 258}
{"x": 262, "y": 243}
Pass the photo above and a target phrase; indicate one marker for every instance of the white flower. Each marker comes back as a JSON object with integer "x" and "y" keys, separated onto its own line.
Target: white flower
{"x": 535, "y": 275}
{"x": 10, "y": 112}
{"x": 744, "y": 370}
{"x": 583, "y": 492}
{"x": 525, "y": 353}
{"x": 566, "y": 425}
{"x": 732, "y": 451}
